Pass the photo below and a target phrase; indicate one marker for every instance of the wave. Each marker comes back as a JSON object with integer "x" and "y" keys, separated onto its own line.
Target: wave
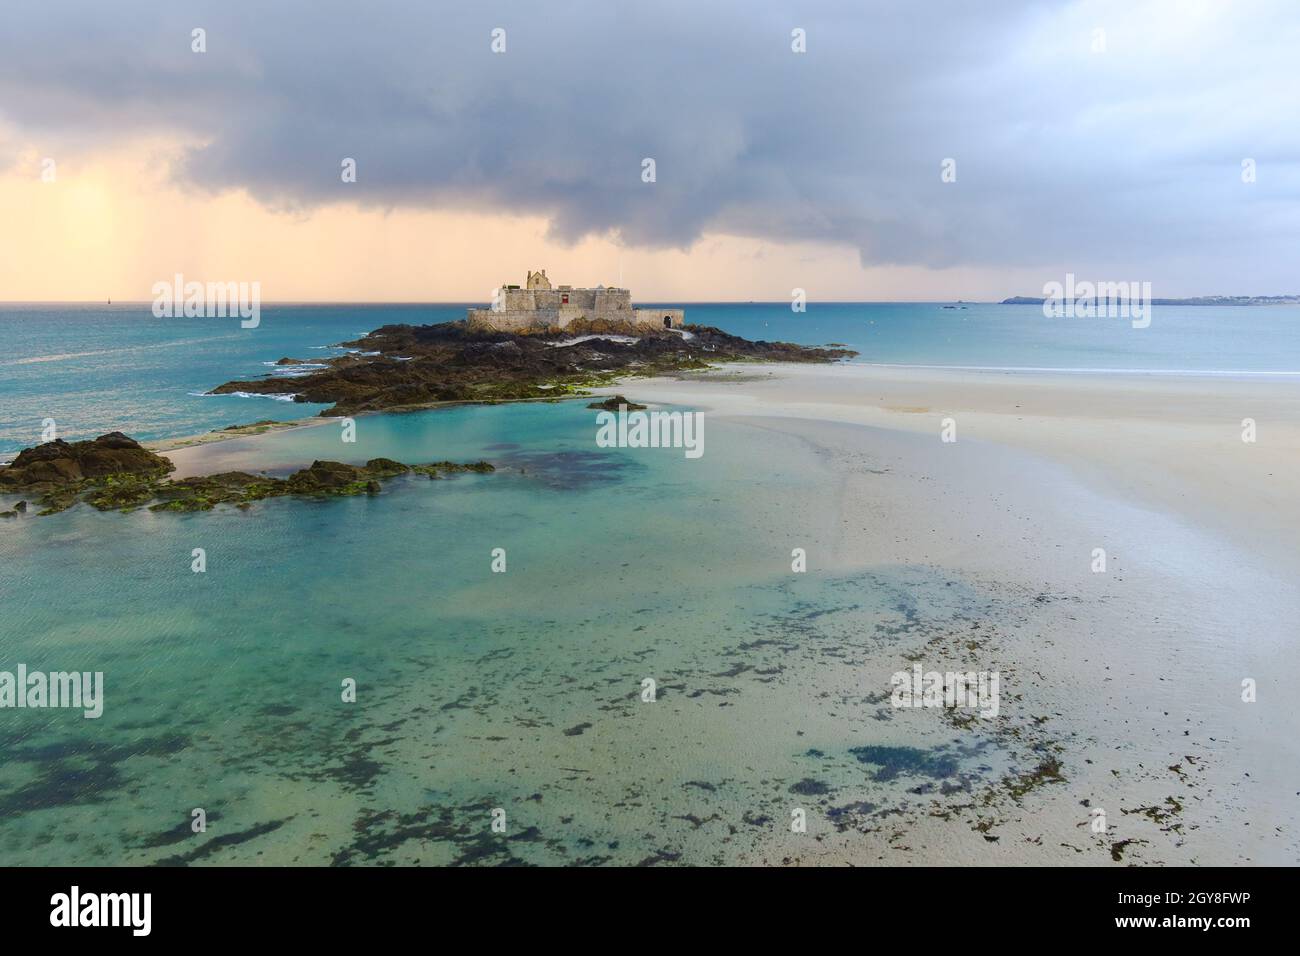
{"x": 294, "y": 371}
{"x": 64, "y": 356}
{"x": 278, "y": 396}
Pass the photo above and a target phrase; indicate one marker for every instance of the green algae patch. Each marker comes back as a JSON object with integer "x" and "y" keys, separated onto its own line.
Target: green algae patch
{"x": 1047, "y": 771}
{"x": 440, "y": 468}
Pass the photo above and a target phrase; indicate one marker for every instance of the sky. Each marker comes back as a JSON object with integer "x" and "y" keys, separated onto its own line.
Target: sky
{"x": 927, "y": 150}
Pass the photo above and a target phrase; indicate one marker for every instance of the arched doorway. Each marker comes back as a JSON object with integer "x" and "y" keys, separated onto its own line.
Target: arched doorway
{"x": 668, "y": 321}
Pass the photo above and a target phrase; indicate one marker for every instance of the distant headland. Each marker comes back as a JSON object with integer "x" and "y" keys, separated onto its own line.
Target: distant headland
{"x": 1194, "y": 300}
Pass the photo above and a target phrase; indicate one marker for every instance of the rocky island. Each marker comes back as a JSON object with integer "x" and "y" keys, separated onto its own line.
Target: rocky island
{"x": 405, "y": 366}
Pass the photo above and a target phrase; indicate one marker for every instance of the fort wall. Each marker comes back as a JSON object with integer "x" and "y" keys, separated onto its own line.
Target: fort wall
{"x": 543, "y": 307}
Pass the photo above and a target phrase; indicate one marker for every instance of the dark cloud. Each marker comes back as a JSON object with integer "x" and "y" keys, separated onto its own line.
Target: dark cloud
{"x": 1126, "y": 160}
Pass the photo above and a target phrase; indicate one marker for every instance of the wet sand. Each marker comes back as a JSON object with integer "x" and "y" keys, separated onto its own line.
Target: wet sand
{"x": 1169, "y": 442}
{"x": 1136, "y": 671}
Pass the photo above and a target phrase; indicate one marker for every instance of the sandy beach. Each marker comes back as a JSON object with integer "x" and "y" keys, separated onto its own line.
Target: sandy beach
{"x": 1168, "y": 442}
{"x": 1139, "y": 668}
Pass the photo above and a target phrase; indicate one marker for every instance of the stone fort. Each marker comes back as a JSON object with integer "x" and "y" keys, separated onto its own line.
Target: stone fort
{"x": 538, "y": 306}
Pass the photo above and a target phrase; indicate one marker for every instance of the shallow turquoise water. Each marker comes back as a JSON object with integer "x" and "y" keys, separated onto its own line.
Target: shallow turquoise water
{"x": 476, "y": 690}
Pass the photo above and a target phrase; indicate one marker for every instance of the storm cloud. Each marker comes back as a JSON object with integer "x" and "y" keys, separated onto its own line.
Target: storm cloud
{"x": 1119, "y": 151}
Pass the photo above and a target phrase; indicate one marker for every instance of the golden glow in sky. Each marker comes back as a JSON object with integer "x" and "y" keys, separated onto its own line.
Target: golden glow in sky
{"x": 111, "y": 224}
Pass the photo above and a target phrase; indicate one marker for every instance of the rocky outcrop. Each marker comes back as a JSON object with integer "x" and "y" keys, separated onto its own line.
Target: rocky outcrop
{"x": 330, "y": 478}
{"x": 404, "y": 365}
{"x": 64, "y": 474}
{"x": 62, "y": 464}
{"x": 614, "y": 402}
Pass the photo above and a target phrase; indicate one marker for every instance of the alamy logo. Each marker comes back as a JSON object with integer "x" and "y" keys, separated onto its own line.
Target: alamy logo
{"x": 971, "y": 690}
{"x": 192, "y": 300}
{"x": 651, "y": 430}
{"x": 56, "y": 689}
{"x": 103, "y": 909}
{"x": 1108, "y": 300}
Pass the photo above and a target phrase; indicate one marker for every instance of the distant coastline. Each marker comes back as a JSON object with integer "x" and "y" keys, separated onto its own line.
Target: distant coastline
{"x": 1194, "y": 300}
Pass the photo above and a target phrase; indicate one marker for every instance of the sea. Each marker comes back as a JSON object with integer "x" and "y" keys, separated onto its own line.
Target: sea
{"x": 99, "y": 368}
{"x": 592, "y": 656}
